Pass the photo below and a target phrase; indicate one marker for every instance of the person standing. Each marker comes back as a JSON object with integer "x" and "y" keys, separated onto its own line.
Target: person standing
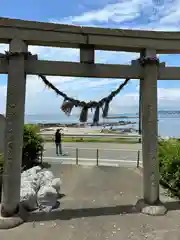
{"x": 58, "y": 142}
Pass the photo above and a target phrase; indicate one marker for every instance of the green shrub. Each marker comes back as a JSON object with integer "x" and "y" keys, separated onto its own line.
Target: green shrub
{"x": 169, "y": 161}
{"x": 32, "y": 146}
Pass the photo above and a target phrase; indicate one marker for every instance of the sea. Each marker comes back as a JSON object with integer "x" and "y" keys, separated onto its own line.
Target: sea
{"x": 168, "y": 121}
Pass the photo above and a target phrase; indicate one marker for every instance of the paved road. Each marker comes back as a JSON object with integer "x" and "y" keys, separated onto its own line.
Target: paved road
{"x": 99, "y": 204}
{"x": 108, "y": 154}
{"x": 94, "y": 135}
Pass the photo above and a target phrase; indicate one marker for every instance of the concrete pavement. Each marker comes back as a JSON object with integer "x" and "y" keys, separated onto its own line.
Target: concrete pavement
{"x": 87, "y": 154}
{"x": 134, "y": 146}
{"x": 99, "y": 205}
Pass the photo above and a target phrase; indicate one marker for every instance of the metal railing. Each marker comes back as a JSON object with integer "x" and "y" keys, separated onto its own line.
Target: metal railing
{"x": 98, "y": 157}
{"x": 138, "y": 159}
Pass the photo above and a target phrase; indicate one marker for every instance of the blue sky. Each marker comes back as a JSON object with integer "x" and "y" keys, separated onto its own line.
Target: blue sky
{"x": 133, "y": 14}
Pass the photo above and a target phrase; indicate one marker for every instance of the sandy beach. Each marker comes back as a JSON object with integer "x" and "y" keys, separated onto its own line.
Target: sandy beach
{"x": 83, "y": 130}
{"x": 87, "y": 128}
{"x": 70, "y": 130}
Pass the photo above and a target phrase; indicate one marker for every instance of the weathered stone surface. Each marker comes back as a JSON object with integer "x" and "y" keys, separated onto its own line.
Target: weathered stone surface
{"x": 150, "y": 129}
{"x": 56, "y": 184}
{"x": 2, "y": 132}
{"x": 47, "y": 197}
{"x": 45, "y": 178}
{"x": 39, "y": 189}
{"x": 28, "y": 197}
{"x": 153, "y": 210}
{"x": 15, "y": 108}
{"x": 16, "y": 220}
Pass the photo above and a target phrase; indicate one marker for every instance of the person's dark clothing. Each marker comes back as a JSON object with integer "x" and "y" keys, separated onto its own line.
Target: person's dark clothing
{"x": 58, "y": 137}
{"x": 58, "y": 143}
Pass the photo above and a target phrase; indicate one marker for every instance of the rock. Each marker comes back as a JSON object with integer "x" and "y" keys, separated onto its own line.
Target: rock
{"x": 154, "y": 210}
{"x": 28, "y": 197}
{"x": 31, "y": 177}
{"x": 47, "y": 197}
{"x": 39, "y": 188}
{"x": 56, "y": 184}
{"x": 32, "y": 171}
{"x": 45, "y": 178}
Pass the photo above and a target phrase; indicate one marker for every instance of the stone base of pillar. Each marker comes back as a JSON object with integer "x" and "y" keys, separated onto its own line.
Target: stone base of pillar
{"x": 14, "y": 221}
{"x": 154, "y": 210}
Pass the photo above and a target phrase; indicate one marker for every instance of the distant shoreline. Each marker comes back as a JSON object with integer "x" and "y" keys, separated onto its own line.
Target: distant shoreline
{"x": 77, "y": 125}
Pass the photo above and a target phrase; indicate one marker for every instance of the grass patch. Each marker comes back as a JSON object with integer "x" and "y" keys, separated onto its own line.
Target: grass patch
{"x": 98, "y": 140}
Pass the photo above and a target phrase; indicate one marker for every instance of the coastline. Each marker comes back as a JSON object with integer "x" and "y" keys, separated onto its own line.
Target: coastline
{"x": 91, "y": 134}
{"x": 87, "y": 128}
{"x": 168, "y": 124}
{"x": 88, "y": 124}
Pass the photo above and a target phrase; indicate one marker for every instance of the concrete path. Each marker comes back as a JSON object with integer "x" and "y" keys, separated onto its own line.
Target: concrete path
{"x": 108, "y": 154}
{"x": 99, "y": 204}
{"x": 133, "y": 146}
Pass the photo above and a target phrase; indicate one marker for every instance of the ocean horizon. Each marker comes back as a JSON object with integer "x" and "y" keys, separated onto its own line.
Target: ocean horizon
{"x": 168, "y": 121}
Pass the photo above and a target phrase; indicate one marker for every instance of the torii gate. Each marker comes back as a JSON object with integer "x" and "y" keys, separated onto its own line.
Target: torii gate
{"x": 19, "y": 34}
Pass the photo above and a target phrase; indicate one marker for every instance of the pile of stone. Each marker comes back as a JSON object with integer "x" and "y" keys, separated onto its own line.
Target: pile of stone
{"x": 39, "y": 189}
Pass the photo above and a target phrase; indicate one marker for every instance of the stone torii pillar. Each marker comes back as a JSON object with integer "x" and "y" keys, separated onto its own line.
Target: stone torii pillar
{"x": 149, "y": 112}
{"x": 140, "y": 110}
{"x": 15, "y": 109}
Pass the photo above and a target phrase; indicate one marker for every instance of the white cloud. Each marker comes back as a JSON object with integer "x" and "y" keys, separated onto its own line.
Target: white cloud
{"x": 42, "y": 100}
{"x": 111, "y": 57}
{"x": 171, "y": 94}
{"x": 115, "y": 12}
{"x": 56, "y": 54}
{"x": 134, "y": 14}
{"x": 171, "y": 13}
{"x": 137, "y": 14}
{"x": 167, "y": 99}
